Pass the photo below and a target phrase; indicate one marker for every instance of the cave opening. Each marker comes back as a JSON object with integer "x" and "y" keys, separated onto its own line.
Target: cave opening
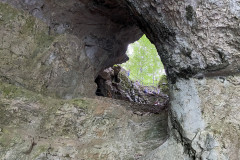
{"x": 141, "y": 79}
{"x": 67, "y": 66}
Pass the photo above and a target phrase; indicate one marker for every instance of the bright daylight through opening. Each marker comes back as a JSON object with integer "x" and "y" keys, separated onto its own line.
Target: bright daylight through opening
{"x": 144, "y": 64}
{"x": 141, "y": 79}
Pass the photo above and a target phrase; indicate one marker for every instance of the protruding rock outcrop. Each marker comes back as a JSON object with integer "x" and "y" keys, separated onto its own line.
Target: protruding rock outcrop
{"x": 62, "y": 51}
{"x": 192, "y": 37}
{"x": 35, "y": 127}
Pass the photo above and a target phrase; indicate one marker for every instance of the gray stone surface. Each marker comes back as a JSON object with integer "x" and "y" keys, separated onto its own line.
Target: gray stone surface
{"x": 171, "y": 149}
{"x": 63, "y": 50}
{"x": 186, "y": 108}
{"x": 192, "y": 36}
{"x": 221, "y": 111}
{"x": 34, "y": 127}
{"x": 203, "y": 120}
{"x": 62, "y": 53}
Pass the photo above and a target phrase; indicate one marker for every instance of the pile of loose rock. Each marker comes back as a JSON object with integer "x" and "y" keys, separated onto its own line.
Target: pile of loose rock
{"x": 114, "y": 83}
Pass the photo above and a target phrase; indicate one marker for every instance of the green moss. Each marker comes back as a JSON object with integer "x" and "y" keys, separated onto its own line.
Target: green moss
{"x": 28, "y": 27}
{"x": 43, "y": 41}
{"x": 6, "y": 139}
{"x": 7, "y": 13}
{"x": 12, "y": 91}
{"x": 79, "y": 103}
{"x": 189, "y": 13}
{"x": 124, "y": 80}
{"x": 35, "y": 42}
{"x": 50, "y": 106}
{"x": 9, "y": 91}
{"x": 163, "y": 84}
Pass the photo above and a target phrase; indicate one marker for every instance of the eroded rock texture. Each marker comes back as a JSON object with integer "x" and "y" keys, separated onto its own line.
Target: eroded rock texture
{"x": 62, "y": 52}
{"x": 33, "y": 127}
{"x": 204, "y": 120}
{"x": 198, "y": 39}
{"x": 192, "y": 36}
{"x": 58, "y": 47}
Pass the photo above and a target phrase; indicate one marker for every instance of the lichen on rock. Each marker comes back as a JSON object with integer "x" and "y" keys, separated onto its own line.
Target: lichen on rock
{"x": 56, "y": 49}
{"x": 37, "y": 127}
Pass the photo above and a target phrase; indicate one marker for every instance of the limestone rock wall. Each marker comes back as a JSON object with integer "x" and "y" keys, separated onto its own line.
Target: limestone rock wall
{"x": 63, "y": 50}
{"x": 58, "y": 47}
{"x": 34, "y": 58}
{"x": 35, "y": 127}
{"x": 198, "y": 43}
{"x": 192, "y": 36}
{"x": 203, "y": 120}
{"x": 221, "y": 111}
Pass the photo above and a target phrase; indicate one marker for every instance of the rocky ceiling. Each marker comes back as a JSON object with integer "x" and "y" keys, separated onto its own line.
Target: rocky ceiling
{"x": 181, "y": 31}
{"x": 106, "y": 27}
{"x": 98, "y": 34}
{"x": 58, "y": 47}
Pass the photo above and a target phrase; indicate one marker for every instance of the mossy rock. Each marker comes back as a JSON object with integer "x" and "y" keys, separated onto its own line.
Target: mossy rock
{"x": 126, "y": 83}
{"x": 7, "y": 13}
{"x": 163, "y": 84}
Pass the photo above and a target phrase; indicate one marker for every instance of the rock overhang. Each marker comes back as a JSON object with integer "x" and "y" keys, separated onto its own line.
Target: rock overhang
{"x": 195, "y": 42}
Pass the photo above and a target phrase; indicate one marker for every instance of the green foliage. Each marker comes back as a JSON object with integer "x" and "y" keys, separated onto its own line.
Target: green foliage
{"x": 144, "y": 62}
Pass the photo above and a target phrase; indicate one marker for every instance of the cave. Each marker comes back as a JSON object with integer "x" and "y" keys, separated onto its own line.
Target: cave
{"x": 52, "y": 51}
{"x": 141, "y": 79}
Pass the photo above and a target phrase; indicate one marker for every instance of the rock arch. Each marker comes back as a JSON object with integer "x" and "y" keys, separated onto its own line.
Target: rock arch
{"x": 198, "y": 42}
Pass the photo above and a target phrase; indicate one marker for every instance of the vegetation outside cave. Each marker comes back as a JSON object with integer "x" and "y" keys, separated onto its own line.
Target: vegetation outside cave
{"x": 144, "y": 64}
{"x": 141, "y": 79}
